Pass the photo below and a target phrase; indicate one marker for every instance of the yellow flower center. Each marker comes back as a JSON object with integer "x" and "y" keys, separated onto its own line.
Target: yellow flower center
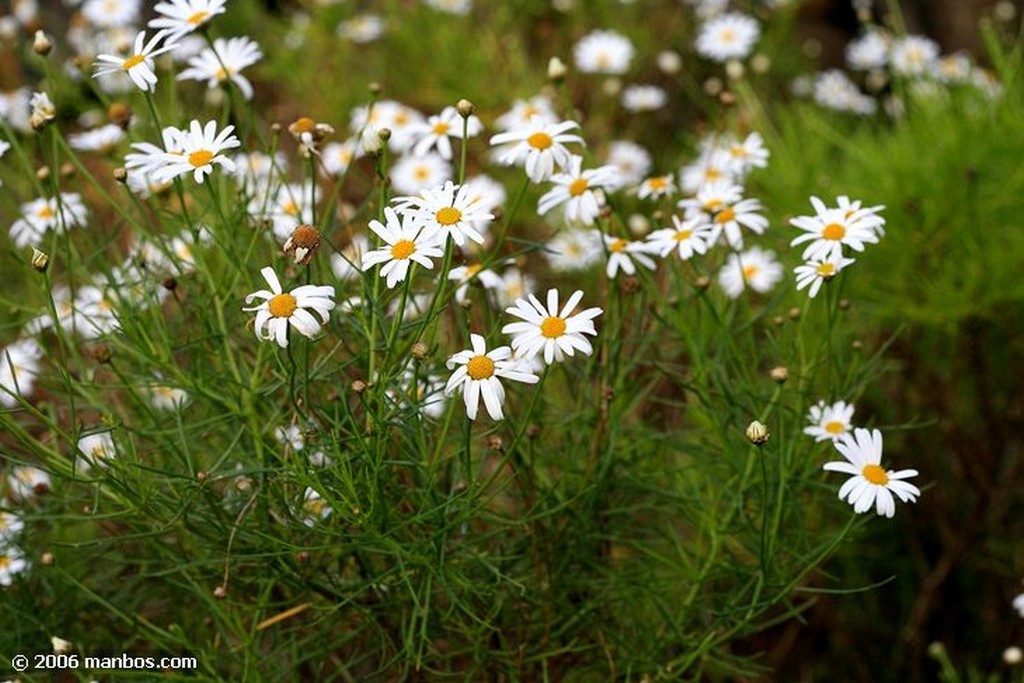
{"x": 615, "y": 247}
{"x": 473, "y": 269}
{"x": 603, "y": 61}
{"x": 401, "y": 118}
{"x": 712, "y": 204}
{"x": 315, "y": 506}
{"x": 727, "y": 36}
{"x": 282, "y": 305}
{"x": 480, "y": 367}
{"x": 578, "y": 187}
{"x": 200, "y": 157}
{"x": 738, "y": 151}
{"x": 712, "y": 174}
{"x": 725, "y": 215}
{"x": 834, "y": 231}
{"x": 449, "y": 215}
{"x": 441, "y": 128}
{"x": 403, "y": 249}
{"x": 540, "y": 141}
{"x": 4, "y": 562}
{"x": 749, "y": 272}
{"x": 303, "y": 124}
{"x": 45, "y": 212}
{"x": 875, "y": 474}
{"x": 290, "y": 208}
{"x": 659, "y": 183}
{"x": 530, "y": 111}
{"x": 134, "y": 60}
{"x": 552, "y": 327}
{"x": 98, "y": 453}
{"x": 826, "y": 270}
{"x": 682, "y": 235}
{"x": 221, "y": 74}
{"x": 834, "y": 427}
{"x": 198, "y": 18}
{"x": 421, "y": 173}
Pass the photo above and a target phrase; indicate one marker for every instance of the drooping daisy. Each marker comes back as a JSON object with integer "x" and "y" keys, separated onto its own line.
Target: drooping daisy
{"x": 405, "y": 241}
{"x": 553, "y": 331}
{"x": 755, "y": 268}
{"x": 829, "y": 422}
{"x": 814, "y": 273}
{"x": 224, "y": 62}
{"x": 412, "y": 174}
{"x": 580, "y": 191}
{"x": 688, "y": 236}
{"x": 728, "y": 36}
{"x": 632, "y": 160}
{"x": 43, "y": 214}
{"x": 538, "y": 147}
{"x": 95, "y": 450}
{"x": 280, "y": 309}
{"x": 201, "y": 148}
{"x": 869, "y": 483}
{"x": 139, "y": 64}
{"x": 603, "y": 52}
{"x": 657, "y": 187}
{"x": 447, "y": 211}
{"x": 478, "y": 374}
{"x": 622, "y": 253}
{"x": 573, "y": 249}
{"x": 185, "y": 16}
{"x": 19, "y": 365}
{"x": 102, "y": 139}
{"x": 831, "y": 228}
{"x": 437, "y": 132}
{"x": 639, "y": 98}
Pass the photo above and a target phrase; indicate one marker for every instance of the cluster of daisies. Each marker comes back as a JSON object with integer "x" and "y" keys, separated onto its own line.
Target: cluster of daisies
{"x": 869, "y": 484}
{"x": 25, "y": 484}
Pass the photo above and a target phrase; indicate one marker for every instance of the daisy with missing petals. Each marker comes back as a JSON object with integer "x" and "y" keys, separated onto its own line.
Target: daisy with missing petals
{"x": 555, "y": 332}
{"x": 201, "y": 148}
{"x": 538, "y": 146}
{"x": 622, "y": 253}
{"x": 224, "y": 62}
{"x": 829, "y": 229}
{"x": 280, "y": 308}
{"x": 139, "y": 64}
{"x": 870, "y": 484}
{"x": 184, "y": 16}
{"x": 405, "y": 240}
{"x": 579, "y": 191}
{"x": 814, "y": 273}
{"x": 687, "y": 237}
{"x": 755, "y": 268}
{"x": 829, "y": 422}
{"x": 478, "y": 373}
{"x": 448, "y": 211}
{"x": 728, "y": 36}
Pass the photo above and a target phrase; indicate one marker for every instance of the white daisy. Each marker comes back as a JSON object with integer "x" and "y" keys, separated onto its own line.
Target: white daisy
{"x": 314, "y": 508}
{"x": 223, "y": 62}
{"x": 102, "y": 139}
{"x": 829, "y": 422}
{"x": 255, "y": 170}
{"x": 580, "y": 191}
{"x": 573, "y": 249}
{"x": 290, "y": 206}
{"x": 657, "y": 187}
{"x": 869, "y": 483}
{"x": 149, "y": 157}
{"x": 279, "y": 309}
{"x": 478, "y": 374}
{"x": 447, "y": 211}
{"x": 814, "y": 273}
{"x": 913, "y": 55}
{"x": 139, "y": 64}
{"x": 622, "y": 253}
{"x": 201, "y": 148}
{"x": 869, "y": 52}
{"x": 361, "y": 29}
{"x": 95, "y": 450}
{"x": 437, "y": 131}
{"x": 603, "y": 52}
{"x": 108, "y": 14}
{"x": 464, "y": 275}
{"x": 639, "y": 98}
{"x": 412, "y": 174}
{"x": 688, "y": 236}
{"x": 538, "y": 147}
{"x": 833, "y": 89}
{"x": 19, "y": 365}
{"x": 743, "y": 156}
{"x": 164, "y": 397}
{"x": 26, "y": 481}
{"x": 185, "y": 16}
{"x": 831, "y": 228}
{"x": 1018, "y": 604}
{"x": 405, "y": 240}
{"x": 714, "y": 165}
{"x": 754, "y": 268}
{"x": 12, "y": 563}
{"x": 514, "y": 284}
{"x": 728, "y": 36}
{"x": 346, "y": 263}
{"x": 523, "y": 111}
{"x": 43, "y": 214}
{"x": 555, "y": 332}
{"x": 632, "y": 160}
{"x": 336, "y": 157}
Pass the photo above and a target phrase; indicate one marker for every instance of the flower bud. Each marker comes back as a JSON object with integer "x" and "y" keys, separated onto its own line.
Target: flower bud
{"x": 42, "y": 44}
{"x": 757, "y": 433}
{"x": 779, "y": 374}
{"x": 60, "y": 646}
{"x": 1013, "y": 656}
{"x": 556, "y": 70}
{"x": 419, "y": 351}
{"x": 465, "y": 108}
{"x": 40, "y": 260}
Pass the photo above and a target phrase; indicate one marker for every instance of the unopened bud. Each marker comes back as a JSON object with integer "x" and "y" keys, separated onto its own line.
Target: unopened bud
{"x": 101, "y": 353}
{"x": 757, "y": 433}
{"x": 556, "y": 70}
{"x": 465, "y": 108}
{"x": 68, "y": 170}
{"x": 727, "y": 98}
{"x": 375, "y": 88}
{"x": 359, "y": 386}
{"x": 670, "y": 62}
{"x": 372, "y": 140}
{"x": 220, "y": 592}
{"x": 60, "y": 646}
{"x": 47, "y": 559}
{"x": 42, "y": 44}
{"x": 43, "y": 174}
{"x": 1012, "y": 656}
{"x": 276, "y": 128}
{"x": 734, "y": 69}
{"x": 702, "y": 283}
{"x": 795, "y": 313}
{"x": 779, "y": 374}
{"x": 419, "y": 351}
{"x": 121, "y": 174}
{"x": 494, "y": 442}
{"x": 844, "y": 304}
{"x": 120, "y": 114}
{"x": 40, "y": 260}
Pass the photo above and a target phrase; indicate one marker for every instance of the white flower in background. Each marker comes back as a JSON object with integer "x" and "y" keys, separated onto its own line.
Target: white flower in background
{"x": 478, "y": 375}
{"x": 26, "y": 481}
{"x": 869, "y": 52}
{"x": 42, "y": 107}
{"x": 831, "y": 228}
{"x": 555, "y": 332}
{"x": 412, "y": 174}
{"x": 314, "y": 507}
{"x": 107, "y": 14}
{"x": 290, "y": 206}
{"x": 424, "y": 392}
{"x": 953, "y": 69}
{"x": 12, "y": 563}
{"x": 833, "y": 89}
{"x": 727, "y": 217}
{"x": 632, "y": 161}
{"x": 581, "y": 192}
{"x": 149, "y": 157}
{"x": 713, "y": 166}
{"x": 814, "y": 273}
{"x": 362, "y": 28}
{"x": 638, "y": 98}
{"x": 201, "y": 148}
{"x": 538, "y": 147}
{"x": 755, "y": 268}
{"x": 728, "y": 36}
{"x": 406, "y": 241}
{"x": 103, "y": 139}
{"x": 4, "y": 146}
{"x": 224, "y": 62}
{"x": 394, "y": 116}
{"x": 523, "y": 111}
{"x": 514, "y": 285}
{"x": 95, "y": 450}
{"x": 746, "y": 155}
{"x": 603, "y": 52}
{"x": 913, "y": 55}
{"x": 280, "y": 309}
{"x": 1018, "y": 604}
{"x": 622, "y": 253}
{"x": 447, "y": 211}
{"x": 138, "y": 65}
{"x": 255, "y": 171}
{"x": 688, "y": 236}
{"x": 14, "y": 108}
{"x": 829, "y": 422}
{"x": 869, "y": 483}
{"x": 346, "y": 264}
{"x": 464, "y": 275}
{"x": 451, "y": 6}
{"x": 657, "y": 187}
{"x": 185, "y": 16}
{"x": 437, "y": 131}
{"x": 19, "y": 366}
{"x": 166, "y": 397}
{"x": 573, "y": 249}
{"x": 336, "y": 157}
{"x": 43, "y": 214}
{"x": 95, "y": 312}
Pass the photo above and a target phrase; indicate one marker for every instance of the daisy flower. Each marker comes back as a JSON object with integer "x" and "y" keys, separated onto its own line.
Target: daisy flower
{"x": 405, "y": 240}
{"x": 464, "y": 275}
{"x": 813, "y": 273}
{"x": 10, "y": 526}
{"x": 743, "y": 156}
{"x": 149, "y": 157}
{"x": 447, "y": 211}
{"x": 622, "y": 253}
{"x": 336, "y": 157}
{"x": 451, "y": 6}
{"x": 603, "y": 52}
{"x": 478, "y": 374}
{"x": 164, "y": 397}
{"x": 437, "y": 131}
{"x": 12, "y": 563}
{"x": 26, "y": 481}
{"x": 656, "y": 187}
{"x": 829, "y": 229}
{"x": 19, "y": 365}
{"x": 412, "y": 174}
{"x": 853, "y": 206}
{"x": 579, "y": 191}
{"x": 833, "y": 89}
{"x": 102, "y": 139}
{"x": 361, "y": 29}
{"x": 688, "y": 236}
{"x": 42, "y": 107}
{"x": 314, "y": 508}
{"x": 555, "y": 332}
{"x": 514, "y": 285}
{"x": 201, "y": 148}
{"x": 713, "y": 166}
{"x": 870, "y": 484}
{"x": 224, "y": 62}
{"x": 632, "y": 161}
{"x": 279, "y": 309}
{"x": 869, "y": 52}
{"x": 538, "y": 146}
{"x": 288, "y": 207}
{"x": 42, "y": 214}
{"x": 139, "y": 64}
{"x": 523, "y": 111}
{"x": 829, "y": 422}
{"x": 755, "y": 268}
{"x": 95, "y": 450}
{"x": 111, "y": 13}
{"x": 639, "y": 98}
{"x": 728, "y": 36}
{"x": 913, "y": 55}
{"x": 185, "y": 16}
{"x": 345, "y": 264}
{"x": 573, "y": 249}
